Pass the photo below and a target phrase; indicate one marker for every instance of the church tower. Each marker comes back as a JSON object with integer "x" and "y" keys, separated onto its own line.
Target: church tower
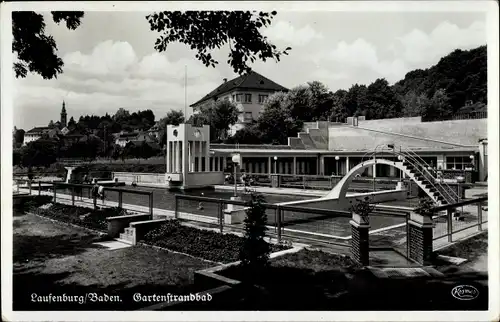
{"x": 64, "y": 116}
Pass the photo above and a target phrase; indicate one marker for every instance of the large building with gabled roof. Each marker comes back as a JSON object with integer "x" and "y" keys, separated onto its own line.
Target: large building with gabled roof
{"x": 248, "y": 91}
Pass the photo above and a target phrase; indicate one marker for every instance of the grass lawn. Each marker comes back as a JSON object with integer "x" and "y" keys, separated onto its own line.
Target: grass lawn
{"x": 53, "y": 258}
{"x": 315, "y": 280}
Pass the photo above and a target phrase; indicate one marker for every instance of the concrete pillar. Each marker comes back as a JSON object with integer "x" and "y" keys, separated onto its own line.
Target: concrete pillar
{"x": 294, "y": 167}
{"x": 174, "y": 156}
{"x": 280, "y": 166}
{"x": 374, "y": 171}
{"x": 190, "y": 156}
{"x": 224, "y": 163}
{"x": 207, "y": 156}
{"x": 250, "y": 167}
{"x": 441, "y": 161}
{"x": 321, "y": 170}
{"x": 392, "y": 171}
{"x": 420, "y": 238}
{"x": 269, "y": 166}
{"x": 347, "y": 168}
{"x": 360, "y": 247}
{"x": 178, "y": 156}
{"x": 167, "y": 158}
{"x": 200, "y": 155}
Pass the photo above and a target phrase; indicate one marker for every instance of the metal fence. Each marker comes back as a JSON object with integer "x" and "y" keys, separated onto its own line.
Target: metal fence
{"x": 458, "y": 219}
{"x": 282, "y": 221}
{"x": 81, "y": 194}
{"x": 315, "y": 182}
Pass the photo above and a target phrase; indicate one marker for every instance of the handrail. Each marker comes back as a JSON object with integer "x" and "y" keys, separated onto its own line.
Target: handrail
{"x": 460, "y": 204}
{"x": 76, "y": 185}
{"x": 439, "y": 183}
{"x": 268, "y": 205}
{"x": 416, "y": 166}
{"x": 431, "y": 180}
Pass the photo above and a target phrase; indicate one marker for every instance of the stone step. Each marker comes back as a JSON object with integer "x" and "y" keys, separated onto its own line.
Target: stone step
{"x": 125, "y": 238}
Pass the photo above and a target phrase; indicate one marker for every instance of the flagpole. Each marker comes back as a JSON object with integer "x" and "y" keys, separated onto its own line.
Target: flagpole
{"x": 185, "y": 92}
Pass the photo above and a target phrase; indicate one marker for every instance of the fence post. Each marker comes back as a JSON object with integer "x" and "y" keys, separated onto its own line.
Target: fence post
{"x": 39, "y": 188}
{"x": 449, "y": 226}
{"x": 220, "y": 214}
{"x": 73, "y": 195}
{"x": 120, "y": 199}
{"x": 176, "y": 211}
{"x": 278, "y": 216}
{"x": 480, "y": 216}
{"x": 95, "y": 200}
{"x": 151, "y": 204}
{"x": 54, "y": 188}
{"x": 17, "y": 186}
{"x": 29, "y": 183}
{"x": 407, "y": 235}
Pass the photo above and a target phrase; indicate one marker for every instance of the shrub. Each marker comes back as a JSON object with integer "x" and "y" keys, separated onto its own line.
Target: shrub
{"x": 33, "y": 203}
{"x": 90, "y": 218}
{"x": 362, "y": 208}
{"x": 254, "y": 253}
{"x": 425, "y": 207}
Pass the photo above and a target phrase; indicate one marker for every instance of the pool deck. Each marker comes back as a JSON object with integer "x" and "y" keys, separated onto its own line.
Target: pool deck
{"x": 277, "y": 191}
{"x": 269, "y": 190}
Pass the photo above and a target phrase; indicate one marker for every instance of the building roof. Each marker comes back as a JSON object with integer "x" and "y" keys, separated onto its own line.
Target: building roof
{"x": 40, "y": 129}
{"x": 359, "y": 153}
{"x": 252, "y": 80}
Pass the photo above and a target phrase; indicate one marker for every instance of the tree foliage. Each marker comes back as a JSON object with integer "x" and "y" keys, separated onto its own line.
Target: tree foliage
{"x": 39, "y": 153}
{"x": 462, "y": 75}
{"x": 204, "y": 31}
{"x": 17, "y": 137}
{"x": 276, "y": 122}
{"x": 173, "y": 117}
{"x": 36, "y": 52}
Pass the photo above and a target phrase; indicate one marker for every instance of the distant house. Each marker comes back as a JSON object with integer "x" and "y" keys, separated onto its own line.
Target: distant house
{"x": 37, "y": 132}
{"x": 248, "y": 91}
{"x": 154, "y": 130}
{"x": 123, "y": 138}
{"x": 72, "y": 137}
{"x": 55, "y": 131}
{"x": 65, "y": 130}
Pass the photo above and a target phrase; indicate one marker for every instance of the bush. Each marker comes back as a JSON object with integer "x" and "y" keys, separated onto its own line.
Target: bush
{"x": 86, "y": 217}
{"x": 254, "y": 252}
{"x": 33, "y": 203}
{"x": 205, "y": 244}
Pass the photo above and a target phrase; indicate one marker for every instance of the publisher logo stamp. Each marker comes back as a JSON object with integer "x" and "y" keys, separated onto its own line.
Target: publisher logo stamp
{"x": 465, "y": 292}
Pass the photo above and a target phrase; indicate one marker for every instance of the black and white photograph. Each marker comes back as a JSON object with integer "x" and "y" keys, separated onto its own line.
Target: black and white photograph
{"x": 239, "y": 161}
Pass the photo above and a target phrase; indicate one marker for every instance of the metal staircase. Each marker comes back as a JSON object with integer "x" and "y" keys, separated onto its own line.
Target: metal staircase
{"x": 434, "y": 187}
{"x": 418, "y": 171}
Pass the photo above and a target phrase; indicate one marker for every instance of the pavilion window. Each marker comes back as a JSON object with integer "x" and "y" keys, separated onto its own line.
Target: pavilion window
{"x": 457, "y": 163}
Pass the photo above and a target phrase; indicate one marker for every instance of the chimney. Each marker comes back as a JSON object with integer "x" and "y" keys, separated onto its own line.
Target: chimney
{"x": 224, "y": 79}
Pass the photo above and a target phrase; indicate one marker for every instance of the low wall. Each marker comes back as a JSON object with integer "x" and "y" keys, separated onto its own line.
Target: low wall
{"x": 141, "y": 228}
{"x": 138, "y": 177}
{"x": 203, "y": 179}
{"x": 336, "y": 204}
{"x": 117, "y": 224}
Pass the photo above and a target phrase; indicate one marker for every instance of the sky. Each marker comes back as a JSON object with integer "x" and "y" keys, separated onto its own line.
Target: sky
{"x": 110, "y": 60}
